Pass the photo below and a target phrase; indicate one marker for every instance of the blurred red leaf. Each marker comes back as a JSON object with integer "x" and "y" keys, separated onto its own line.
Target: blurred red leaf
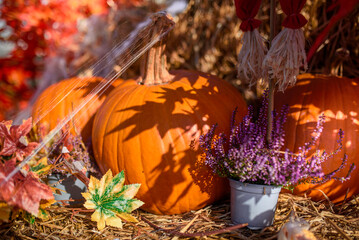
{"x": 40, "y": 29}
{"x": 15, "y": 141}
{"x": 15, "y": 90}
{"x": 21, "y": 191}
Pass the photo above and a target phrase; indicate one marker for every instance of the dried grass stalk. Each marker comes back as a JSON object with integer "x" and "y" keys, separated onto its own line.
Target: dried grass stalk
{"x": 285, "y": 57}
{"x": 251, "y": 57}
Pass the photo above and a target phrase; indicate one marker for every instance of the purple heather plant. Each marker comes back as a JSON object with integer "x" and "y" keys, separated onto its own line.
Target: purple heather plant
{"x": 247, "y": 156}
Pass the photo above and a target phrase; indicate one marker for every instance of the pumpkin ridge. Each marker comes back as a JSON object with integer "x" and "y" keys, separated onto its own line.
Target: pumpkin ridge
{"x": 131, "y": 91}
{"x": 299, "y": 128}
{"x": 180, "y": 137}
{"x": 167, "y": 138}
{"x": 175, "y": 191}
{"x": 112, "y": 111}
{"x": 344, "y": 122}
{"x": 339, "y": 102}
{"x": 140, "y": 139}
{"x": 172, "y": 144}
{"x": 198, "y": 121}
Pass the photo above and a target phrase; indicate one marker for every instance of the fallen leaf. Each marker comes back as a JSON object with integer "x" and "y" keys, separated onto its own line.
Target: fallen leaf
{"x": 43, "y": 214}
{"x": 22, "y": 191}
{"x": 39, "y": 167}
{"x": 15, "y": 141}
{"x": 111, "y": 200}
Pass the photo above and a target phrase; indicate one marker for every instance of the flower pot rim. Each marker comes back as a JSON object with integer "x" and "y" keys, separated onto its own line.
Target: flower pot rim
{"x": 255, "y": 184}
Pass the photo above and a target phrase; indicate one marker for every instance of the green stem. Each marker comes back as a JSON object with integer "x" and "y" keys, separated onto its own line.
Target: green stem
{"x": 271, "y": 80}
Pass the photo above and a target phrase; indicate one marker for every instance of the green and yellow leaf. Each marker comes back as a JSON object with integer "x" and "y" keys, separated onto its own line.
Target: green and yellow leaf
{"x": 43, "y": 214}
{"x": 111, "y": 200}
{"x": 39, "y": 167}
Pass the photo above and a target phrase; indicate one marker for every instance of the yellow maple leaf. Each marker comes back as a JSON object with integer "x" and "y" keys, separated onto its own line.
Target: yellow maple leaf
{"x": 111, "y": 200}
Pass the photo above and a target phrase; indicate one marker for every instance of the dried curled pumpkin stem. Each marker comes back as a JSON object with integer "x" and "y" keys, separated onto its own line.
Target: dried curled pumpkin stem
{"x": 154, "y": 63}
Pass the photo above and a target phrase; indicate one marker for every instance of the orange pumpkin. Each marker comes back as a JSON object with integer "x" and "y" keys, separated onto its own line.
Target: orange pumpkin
{"x": 145, "y": 127}
{"x": 338, "y": 99}
{"x": 68, "y": 101}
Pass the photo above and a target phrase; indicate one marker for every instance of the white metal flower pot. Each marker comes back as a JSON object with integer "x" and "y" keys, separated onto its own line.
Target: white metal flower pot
{"x": 253, "y": 204}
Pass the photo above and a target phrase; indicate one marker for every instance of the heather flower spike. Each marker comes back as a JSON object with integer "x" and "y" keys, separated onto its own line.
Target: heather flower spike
{"x": 111, "y": 200}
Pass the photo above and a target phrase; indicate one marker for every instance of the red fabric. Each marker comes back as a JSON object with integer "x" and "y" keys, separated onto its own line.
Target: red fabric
{"x": 292, "y": 9}
{"x": 246, "y": 11}
{"x": 345, "y": 7}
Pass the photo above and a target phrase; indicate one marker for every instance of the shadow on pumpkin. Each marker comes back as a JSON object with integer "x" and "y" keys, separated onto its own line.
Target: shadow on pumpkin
{"x": 166, "y": 99}
{"x": 179, "y": 113}
{"x": 340, "y": 105}
{"x": 171, "y": 165}
{"x": 92, "y": 84}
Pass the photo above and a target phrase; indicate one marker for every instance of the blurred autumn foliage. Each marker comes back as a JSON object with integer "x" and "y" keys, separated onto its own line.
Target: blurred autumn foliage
{"x": 68, "y": 34}
{"x": 34, "y": 30}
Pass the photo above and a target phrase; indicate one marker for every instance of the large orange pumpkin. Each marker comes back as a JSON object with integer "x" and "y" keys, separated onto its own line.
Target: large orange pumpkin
{"x": 68, "y": 100}
{"x": 145, "y": 127}
{"x": 338, "y": 99}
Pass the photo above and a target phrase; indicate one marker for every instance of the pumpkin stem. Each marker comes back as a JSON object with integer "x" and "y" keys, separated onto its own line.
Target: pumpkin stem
{"x": 154, "y": 64}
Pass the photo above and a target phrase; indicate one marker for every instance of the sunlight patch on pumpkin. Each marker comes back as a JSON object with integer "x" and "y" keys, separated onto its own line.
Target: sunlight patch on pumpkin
{"x": 306, "y": 116}
{"x": 329, "y": 114}
{"x": 348, "y": 144}
{"x": 205, "y": 118}
{"x": 340, "y": 115}
{"x": 353, "y": 114}
{"x": 301, "y": 83}
{"x": 205, "y": 128}
{"x": 335, "y": 131}
{"x": 354, "y": 83}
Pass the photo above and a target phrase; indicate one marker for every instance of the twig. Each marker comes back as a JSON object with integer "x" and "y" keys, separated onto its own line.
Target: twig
{"x": 357, "y": 201}
{"x": 241, "y": 236}
{"x": 141, "y": 231}
{"x": 183, "y": 230}
{"x": 331, "y": 222}
{"x": 326, "y": 197}
{"x": 345, "y": 199}
{"x": 51, "y": 225}
{"x": 316, "y": 210}
{"x": 199, "y": 234}
{"x": 272, "y": 237}
{"x": 25, "y": 237}
{"x": 338, "y": 229}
